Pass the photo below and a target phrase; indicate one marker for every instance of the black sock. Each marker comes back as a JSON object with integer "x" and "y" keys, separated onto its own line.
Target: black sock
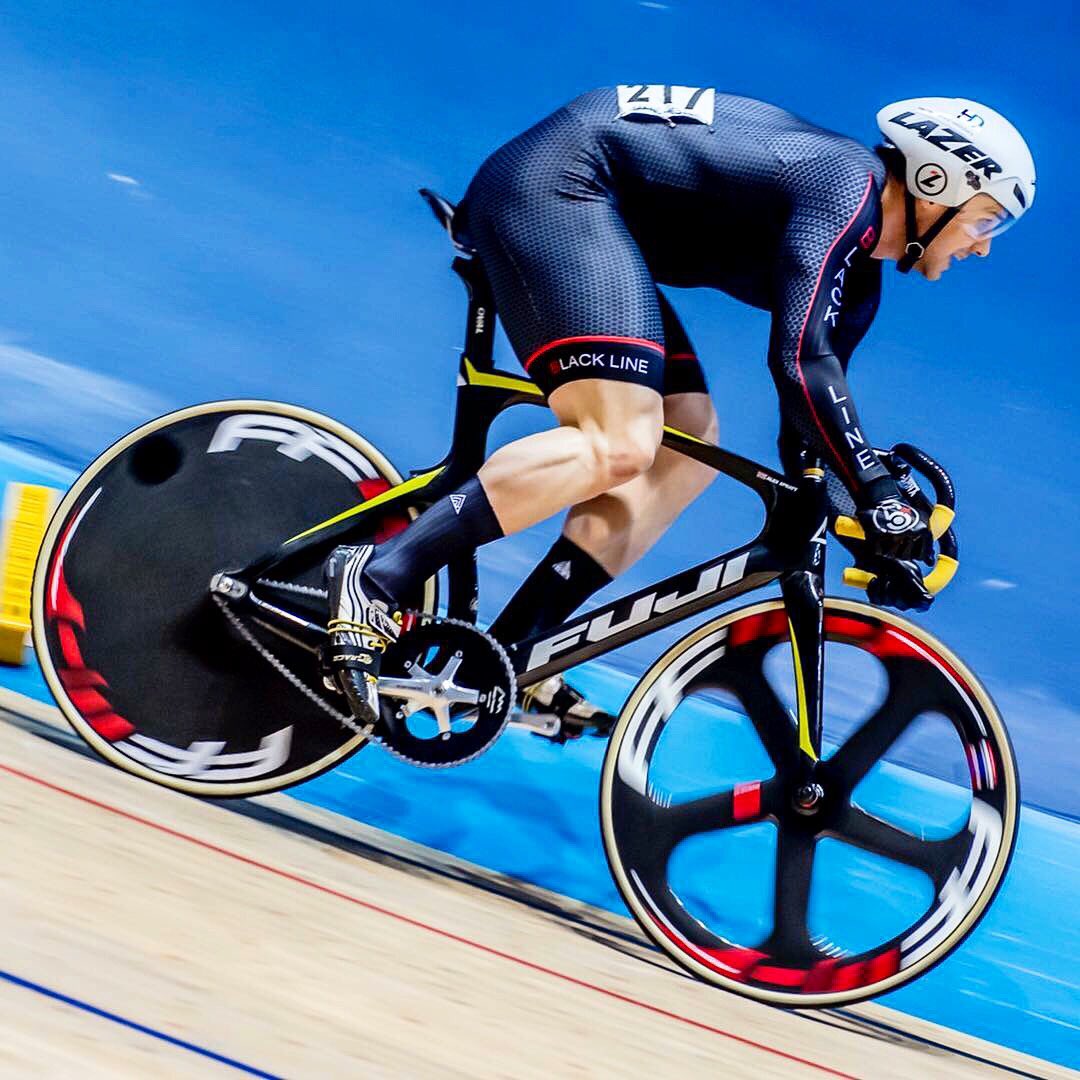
{"x": 562, "y": 581}
{"x": 460, "y": 522}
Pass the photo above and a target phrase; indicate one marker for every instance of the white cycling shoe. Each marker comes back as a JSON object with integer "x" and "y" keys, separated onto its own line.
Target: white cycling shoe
{"x": 360, "y": 629}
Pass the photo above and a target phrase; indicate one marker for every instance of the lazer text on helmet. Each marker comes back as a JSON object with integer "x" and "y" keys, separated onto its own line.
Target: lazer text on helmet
{"x": 939, "y": 135}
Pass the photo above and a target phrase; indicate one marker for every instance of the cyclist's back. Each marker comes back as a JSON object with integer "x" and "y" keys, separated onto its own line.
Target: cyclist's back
{"x": 707, "y": 194}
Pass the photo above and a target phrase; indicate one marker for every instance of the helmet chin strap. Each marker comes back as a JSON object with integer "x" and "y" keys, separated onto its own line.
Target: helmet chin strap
{"x": 916, "y": 244}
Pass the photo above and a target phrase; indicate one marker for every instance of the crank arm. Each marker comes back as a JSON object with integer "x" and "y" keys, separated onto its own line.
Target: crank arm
{"x": 546, "y": 724}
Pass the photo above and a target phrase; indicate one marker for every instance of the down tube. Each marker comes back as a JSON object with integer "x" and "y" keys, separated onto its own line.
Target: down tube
{"x": 652, "y": 608}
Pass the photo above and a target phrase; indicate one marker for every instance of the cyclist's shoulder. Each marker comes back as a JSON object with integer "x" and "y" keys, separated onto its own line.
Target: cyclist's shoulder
{"x": 825, "y": 168}
{"x": 832, "y": 186}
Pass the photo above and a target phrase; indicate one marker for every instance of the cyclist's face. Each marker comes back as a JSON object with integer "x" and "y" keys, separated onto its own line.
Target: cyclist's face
{"x": 967, "y": 234}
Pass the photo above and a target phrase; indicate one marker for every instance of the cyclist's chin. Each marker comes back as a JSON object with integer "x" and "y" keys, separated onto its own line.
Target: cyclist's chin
{"x": 932, "y": 271}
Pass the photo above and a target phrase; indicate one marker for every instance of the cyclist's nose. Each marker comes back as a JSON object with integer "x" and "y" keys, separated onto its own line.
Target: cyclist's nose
{"x": 982, "y": 248}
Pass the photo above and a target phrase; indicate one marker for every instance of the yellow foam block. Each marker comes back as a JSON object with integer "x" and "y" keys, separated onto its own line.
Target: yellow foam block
{"x": 26, "y": 512}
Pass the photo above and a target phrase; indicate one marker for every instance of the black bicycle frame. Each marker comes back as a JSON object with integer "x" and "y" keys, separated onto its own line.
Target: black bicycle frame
{"x": 790, "y": 546}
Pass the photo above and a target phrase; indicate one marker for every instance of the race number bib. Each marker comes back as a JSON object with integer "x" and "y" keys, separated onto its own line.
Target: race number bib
{"x": 669, "y": 103}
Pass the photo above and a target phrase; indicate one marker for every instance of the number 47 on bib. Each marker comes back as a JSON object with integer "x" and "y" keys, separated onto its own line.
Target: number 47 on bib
{"x": 670, "y": 103}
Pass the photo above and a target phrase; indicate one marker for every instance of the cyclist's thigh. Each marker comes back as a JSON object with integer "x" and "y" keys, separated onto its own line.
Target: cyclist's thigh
{"x": 571, "y": 286}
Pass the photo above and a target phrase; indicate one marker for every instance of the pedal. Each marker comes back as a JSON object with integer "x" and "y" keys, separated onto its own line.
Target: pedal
{"x": 555, "y": 710}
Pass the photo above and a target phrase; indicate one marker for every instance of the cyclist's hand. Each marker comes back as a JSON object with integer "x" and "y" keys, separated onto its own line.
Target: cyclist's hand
{"x": 897, "y": 530}
{"x": 897, "y": 583}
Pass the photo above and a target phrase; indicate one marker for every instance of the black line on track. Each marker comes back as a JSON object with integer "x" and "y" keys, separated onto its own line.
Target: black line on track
{"x": 880, "y": 1029}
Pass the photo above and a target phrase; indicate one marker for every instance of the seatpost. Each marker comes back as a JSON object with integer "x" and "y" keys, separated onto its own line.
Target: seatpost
{"x": 476, "y": 406}
{"x": 480, "y": 321}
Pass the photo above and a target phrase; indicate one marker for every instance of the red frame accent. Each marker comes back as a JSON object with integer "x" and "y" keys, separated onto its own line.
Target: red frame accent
{"x": 390, "y": 524}
{"x": 746, "y": 801}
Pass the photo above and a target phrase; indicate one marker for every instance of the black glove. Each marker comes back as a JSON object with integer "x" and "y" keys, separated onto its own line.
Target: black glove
{"x": 896, "y": 530}
{"x": 897, "y": 584}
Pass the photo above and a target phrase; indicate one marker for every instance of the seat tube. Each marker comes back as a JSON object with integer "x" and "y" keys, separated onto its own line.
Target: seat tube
{"x": 803, "y": 590}
{"x": 480, "y": 320}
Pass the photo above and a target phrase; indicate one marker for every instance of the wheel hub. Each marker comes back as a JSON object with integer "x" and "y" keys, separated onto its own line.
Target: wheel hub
{"x": 808, "y": 798}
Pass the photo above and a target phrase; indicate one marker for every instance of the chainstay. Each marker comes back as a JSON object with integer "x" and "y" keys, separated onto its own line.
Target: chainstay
{"x": 291, "y": 586}
{"x": 237, "y": 624}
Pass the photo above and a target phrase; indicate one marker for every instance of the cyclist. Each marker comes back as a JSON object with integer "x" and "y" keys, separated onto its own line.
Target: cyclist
{"x": 577, "y": 220}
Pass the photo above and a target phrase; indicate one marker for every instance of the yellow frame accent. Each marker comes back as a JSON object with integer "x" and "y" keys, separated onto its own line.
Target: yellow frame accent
{"x": 473, "y": 377}
{"x": 687, "y": 435}
{"x": 503, "y": 382}
{"x": 805, "y": 745}
{"x": 415, "y": 484}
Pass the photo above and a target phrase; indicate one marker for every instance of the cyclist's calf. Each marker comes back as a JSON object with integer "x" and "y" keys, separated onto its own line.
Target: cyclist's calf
{"x": 608, "y": 435}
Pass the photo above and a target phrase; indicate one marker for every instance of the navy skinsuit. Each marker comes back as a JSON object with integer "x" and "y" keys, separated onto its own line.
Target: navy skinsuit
{"x": 579, "y": 218}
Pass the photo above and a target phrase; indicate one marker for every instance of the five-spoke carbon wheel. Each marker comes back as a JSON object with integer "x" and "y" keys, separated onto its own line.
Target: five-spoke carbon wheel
{"x": 819, "y": 890}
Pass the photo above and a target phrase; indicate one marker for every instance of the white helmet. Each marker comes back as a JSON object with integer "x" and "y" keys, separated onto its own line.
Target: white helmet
{"x": 954, "y": 149}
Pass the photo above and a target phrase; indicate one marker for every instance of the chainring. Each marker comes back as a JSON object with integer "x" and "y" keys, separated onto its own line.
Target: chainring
{"x": 446, "y": 692}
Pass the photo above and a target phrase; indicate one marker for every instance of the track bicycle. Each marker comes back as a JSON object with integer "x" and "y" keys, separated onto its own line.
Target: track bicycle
{"x": 178, "y": 612}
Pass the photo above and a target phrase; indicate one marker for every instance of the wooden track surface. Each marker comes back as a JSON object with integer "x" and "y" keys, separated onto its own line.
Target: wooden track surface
{"x": 147, "y": 933}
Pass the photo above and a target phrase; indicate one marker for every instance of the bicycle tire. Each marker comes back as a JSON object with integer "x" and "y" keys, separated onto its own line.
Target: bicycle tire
{"x": 141, "y": 663}
{"x": 744, "y": 968}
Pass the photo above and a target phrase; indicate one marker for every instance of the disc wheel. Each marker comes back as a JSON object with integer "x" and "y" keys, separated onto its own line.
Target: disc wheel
{"x": 821, "y": 894}
{"x": 140, "y": 660}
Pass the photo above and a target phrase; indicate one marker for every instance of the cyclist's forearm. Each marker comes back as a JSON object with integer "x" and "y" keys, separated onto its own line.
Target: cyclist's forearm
{"x": 816, "y": 400}
{"x": 789, "y": 443}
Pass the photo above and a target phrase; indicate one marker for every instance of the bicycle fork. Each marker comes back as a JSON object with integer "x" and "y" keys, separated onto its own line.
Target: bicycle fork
{"x": 803, "y": 589}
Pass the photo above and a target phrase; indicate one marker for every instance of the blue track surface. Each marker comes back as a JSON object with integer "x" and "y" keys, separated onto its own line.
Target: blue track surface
{"x": 529, "y": 809}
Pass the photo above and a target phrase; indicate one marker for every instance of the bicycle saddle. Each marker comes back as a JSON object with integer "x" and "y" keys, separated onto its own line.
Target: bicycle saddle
{"x": 444, "y": 211}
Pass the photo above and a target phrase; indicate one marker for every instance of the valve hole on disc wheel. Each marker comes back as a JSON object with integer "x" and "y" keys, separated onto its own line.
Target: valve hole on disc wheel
{"x": 156, "y": 459}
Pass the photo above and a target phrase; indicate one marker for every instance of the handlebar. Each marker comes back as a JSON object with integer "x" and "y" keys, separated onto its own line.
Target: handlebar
{"x": 900, "y": 461}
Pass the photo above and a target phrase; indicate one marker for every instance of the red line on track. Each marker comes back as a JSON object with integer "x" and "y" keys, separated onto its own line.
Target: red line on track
{"x": 398, "y": 917}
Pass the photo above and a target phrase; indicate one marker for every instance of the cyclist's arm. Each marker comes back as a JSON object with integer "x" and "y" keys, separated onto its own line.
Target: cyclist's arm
{"x": 824, "y": 260}
{"x": 865, "y": 292}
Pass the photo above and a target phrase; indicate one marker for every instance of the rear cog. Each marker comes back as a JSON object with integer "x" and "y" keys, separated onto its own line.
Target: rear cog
{"x": 446, "y": 692}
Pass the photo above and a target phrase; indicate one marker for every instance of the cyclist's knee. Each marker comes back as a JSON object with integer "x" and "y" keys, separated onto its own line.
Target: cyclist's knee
{"x": 620, "y": 427}
{"x": 693, "y": 413}
{"x": 620, "y": 455}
